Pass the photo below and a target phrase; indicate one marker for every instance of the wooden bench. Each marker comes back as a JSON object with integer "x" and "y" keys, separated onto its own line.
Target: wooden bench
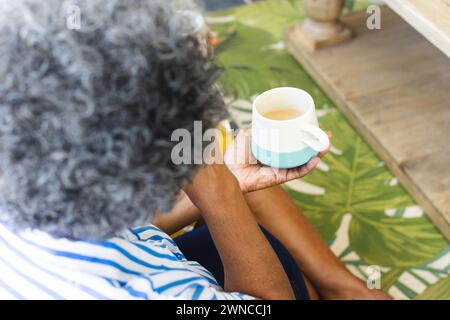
{"x": 393, "y": 85}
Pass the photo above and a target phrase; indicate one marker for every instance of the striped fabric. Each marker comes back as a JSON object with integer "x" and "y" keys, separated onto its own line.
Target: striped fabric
{"x": 144, "y": 263}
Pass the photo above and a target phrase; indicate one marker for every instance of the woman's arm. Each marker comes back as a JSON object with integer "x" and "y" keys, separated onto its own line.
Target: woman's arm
{"x": 183, "y": 214}
{"x": 250, "y": 264}
{"x": 251, "y": 175}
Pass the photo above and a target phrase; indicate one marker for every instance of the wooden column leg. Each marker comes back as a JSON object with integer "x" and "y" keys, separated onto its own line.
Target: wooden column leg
{"x": 322, "y": 26}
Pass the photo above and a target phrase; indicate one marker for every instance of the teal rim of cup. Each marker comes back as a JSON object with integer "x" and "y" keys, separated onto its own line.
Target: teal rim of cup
{"x": 283, "y": 160}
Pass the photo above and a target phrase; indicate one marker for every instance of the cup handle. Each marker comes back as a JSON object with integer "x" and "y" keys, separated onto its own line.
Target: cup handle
{"x": 314, "y": 137}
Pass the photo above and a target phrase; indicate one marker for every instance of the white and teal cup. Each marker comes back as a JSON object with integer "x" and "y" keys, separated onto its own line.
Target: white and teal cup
{"x": 286, "y": 143}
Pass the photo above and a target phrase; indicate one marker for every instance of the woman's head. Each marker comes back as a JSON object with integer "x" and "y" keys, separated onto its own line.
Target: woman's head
{"x": 87, "y": 113}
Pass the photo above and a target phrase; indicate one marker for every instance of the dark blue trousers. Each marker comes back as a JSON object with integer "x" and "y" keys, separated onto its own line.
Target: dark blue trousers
{"x": 198, "y": 245}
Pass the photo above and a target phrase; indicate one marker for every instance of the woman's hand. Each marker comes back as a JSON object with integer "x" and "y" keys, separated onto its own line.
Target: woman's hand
{"x": 253, "y": 175}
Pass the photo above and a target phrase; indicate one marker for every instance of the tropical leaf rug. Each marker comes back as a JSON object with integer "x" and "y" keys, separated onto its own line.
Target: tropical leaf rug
{"x": 352, "y": 198}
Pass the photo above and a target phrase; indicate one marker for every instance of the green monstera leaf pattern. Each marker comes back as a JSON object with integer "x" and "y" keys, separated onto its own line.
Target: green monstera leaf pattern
{"x": 357, "y": 182}
{"x": 439, "y": 290}
{"x": 248, "y": 74}
{"x": 351, "y": 198}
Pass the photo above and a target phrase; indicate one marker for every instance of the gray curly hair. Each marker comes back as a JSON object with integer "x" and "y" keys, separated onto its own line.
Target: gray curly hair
{"x": 87, "y": 115}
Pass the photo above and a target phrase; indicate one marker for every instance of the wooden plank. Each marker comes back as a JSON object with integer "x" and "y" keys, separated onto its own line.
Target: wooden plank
{"x": 394, "y": 87}
{"x": 430, "y": 17}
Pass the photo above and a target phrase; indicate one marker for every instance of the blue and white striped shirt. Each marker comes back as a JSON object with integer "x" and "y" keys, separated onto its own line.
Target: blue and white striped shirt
{"x": 144, "y": 263}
